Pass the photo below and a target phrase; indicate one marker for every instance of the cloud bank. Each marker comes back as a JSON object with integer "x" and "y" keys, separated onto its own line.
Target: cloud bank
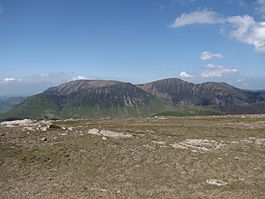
{"x": 241, "y": 28}
{"x": 219, "y": 72}
{"x": 30, "y": 85}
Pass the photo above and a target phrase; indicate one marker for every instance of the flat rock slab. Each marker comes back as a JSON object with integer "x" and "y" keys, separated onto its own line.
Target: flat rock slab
{"x": 108, "y": 133}
{"x": 216, "y": 182}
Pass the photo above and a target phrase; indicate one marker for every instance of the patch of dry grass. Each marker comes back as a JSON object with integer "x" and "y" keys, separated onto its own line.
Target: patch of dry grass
{"x": 73, "y": 163}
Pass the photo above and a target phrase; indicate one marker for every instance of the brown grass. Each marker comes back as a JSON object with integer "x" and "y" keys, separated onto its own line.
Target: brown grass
{"x": 75, "y": 164}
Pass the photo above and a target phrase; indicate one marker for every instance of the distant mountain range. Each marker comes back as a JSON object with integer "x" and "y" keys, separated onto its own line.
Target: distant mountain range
{"x": 100, "y": 98}
{"x": 9, "y": 103}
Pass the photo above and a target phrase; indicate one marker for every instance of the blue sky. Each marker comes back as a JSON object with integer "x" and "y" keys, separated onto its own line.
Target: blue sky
{"x": 46, "y": 42}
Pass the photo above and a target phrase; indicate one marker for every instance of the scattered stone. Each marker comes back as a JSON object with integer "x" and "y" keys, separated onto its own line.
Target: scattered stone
{"x": 93, "y": 132}
{"x": 44, "y": 139}
{"x": 98, "y": 189}
{"x": 104, "y": 138}
{"x": 159, "y": 142}
{"x": 150, "y": 131}
{"x": 28, "y": 125}
{"x": 160, "y": 117}
{"x": 260, "y": 141}
{"x": 216, "y": 182}
{"x": 15, "y": 123}
{"x": 113, "y": 134}
{"x": 108, "y": 133}
{"x": 43, "y": 129}
{"x": 198, "y": 145}
{"x": 29, "y": 128}
{"x": 247, "y": 141}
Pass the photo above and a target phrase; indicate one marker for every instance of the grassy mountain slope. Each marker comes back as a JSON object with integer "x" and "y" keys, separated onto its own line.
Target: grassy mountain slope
{"x": 90, "y": 99}
{"x": 35, "y": 107}
{"x": 9, "y": 103}
{"x": 191, "y": 111}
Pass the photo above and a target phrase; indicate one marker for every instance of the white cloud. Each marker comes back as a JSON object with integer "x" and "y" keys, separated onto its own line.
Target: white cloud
{"x": 206, "y": 55}
{"x": 211, "y": 74}
{"x": 9, "y": 79}
{"x": 185, "y": 74}
{"x": 242, "y": 28}
{"x": 79, "y": 77}
{"x": 197, "y": 17}
{"x": 211, "y": 66}
{"x": 246, "y": 30}
{"x": 218, "y": 71}
{"x": 228, "y": 70}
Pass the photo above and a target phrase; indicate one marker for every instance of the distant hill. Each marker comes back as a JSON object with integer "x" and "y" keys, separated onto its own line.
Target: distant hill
{"x": 9, "y": 103}
{"x": 100, "y": 98}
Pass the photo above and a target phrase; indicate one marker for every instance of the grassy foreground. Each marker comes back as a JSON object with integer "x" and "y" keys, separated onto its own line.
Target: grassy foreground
{"x": 164, "y": 157}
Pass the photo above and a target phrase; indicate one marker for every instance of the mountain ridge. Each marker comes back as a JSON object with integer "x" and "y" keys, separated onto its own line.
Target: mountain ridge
{"x": 182, "y": 92}
{"x": 110, "y": 98}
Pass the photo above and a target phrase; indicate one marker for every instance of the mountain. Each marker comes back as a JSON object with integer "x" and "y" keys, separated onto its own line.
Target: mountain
{"x": 100, "y": 98}
{"x": 9, "y": 103}
{"x": 222, "y": 95}
{"x": 90, "y": 98}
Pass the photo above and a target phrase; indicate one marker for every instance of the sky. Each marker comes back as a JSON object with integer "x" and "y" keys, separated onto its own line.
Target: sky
{"x": 46, "y": 42}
